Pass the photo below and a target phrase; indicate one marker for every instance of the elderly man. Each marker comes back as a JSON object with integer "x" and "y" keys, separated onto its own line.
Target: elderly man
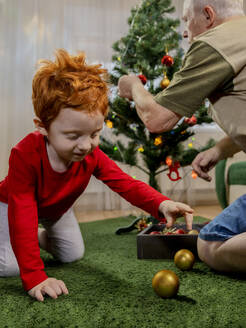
{"x": 214, "y": 68}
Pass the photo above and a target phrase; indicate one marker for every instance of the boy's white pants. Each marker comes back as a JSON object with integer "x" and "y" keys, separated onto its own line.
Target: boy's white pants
{"x": 64, "y": 235}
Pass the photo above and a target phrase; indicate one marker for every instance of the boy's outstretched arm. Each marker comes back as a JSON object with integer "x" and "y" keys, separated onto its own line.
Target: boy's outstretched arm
{"x": 172, "y": 210}
{"x": 139, "y": 193}
{"x": 51, "y": 287}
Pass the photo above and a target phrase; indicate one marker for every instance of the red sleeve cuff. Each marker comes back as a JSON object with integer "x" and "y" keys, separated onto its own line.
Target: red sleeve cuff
{"x": 32, "y": 279}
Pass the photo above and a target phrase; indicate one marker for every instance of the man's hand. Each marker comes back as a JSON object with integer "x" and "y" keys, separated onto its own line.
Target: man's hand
{"x": 205, "y": 161}
{"x": 51, "y": 287}
{"x": 172, "y": 210}
{"x": 125, "y": 85}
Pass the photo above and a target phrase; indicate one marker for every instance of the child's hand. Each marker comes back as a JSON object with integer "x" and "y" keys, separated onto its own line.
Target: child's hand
{"x": 172, "y": 210}
{"x": 51, "y": 287}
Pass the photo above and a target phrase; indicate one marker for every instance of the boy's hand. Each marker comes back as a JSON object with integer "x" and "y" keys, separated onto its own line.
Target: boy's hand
{"x": 172, "y": 210}
{"x": 51, "y": 287}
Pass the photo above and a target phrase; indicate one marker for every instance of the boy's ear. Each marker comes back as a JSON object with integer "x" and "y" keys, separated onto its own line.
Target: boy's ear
{"x": 40, "y": 126}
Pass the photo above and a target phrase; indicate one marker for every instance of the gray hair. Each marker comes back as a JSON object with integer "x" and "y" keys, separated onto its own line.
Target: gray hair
{"x": 223, "y": 8}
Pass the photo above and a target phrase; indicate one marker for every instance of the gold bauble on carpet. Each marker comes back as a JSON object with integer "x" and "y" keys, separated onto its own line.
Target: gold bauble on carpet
{"x": 184, "y": 259}
{"x": 165, "y": 283}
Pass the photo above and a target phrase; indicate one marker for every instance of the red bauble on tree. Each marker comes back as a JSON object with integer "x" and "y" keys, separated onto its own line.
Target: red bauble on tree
{"x": 191, "y": 121}
{"x": 143, "y": 78}
{"x": 167, "y": 60}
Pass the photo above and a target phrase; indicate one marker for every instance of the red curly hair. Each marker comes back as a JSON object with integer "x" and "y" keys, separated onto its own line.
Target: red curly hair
{"x": 68, "y": 82}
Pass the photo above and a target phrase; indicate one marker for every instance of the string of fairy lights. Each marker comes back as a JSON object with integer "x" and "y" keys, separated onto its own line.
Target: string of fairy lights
{"x": 167, "y": 61}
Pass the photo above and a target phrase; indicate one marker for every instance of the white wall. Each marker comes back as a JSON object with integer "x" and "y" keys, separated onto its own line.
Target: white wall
{"x": 33, "y": 29}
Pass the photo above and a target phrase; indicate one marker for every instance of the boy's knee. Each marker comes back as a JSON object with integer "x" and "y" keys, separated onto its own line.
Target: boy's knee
{"x": 10, "y": 270}
{"x": 72, "y": 255}
{"x": 76, "y": 255}
{"x": 8, "y": 263}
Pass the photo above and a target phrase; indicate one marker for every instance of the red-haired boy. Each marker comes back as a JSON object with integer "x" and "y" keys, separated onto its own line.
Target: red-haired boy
{"x": 50, "y": 168}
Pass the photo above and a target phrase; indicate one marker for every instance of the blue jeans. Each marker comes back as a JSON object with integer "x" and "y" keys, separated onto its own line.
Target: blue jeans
{"x": 229, "y": 223}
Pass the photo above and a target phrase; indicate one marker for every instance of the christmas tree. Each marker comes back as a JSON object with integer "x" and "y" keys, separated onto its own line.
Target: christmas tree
{"x": 151, "y": 49}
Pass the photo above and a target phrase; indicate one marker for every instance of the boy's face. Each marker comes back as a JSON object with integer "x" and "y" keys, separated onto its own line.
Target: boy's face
{"x": 74, "y": 134}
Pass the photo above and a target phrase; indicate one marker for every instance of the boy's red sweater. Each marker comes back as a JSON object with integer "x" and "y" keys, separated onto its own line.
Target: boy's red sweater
{"x": 34, "y": 190}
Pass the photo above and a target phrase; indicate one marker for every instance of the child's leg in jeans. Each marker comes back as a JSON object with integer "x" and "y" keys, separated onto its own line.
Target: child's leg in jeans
{"x": 222, "y": 242}
{"x": 8, "y": 264}
{"x": 62, "y": 238}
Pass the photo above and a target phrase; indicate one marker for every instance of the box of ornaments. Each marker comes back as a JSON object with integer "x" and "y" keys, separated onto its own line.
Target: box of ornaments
{"x": 158, "y": 242}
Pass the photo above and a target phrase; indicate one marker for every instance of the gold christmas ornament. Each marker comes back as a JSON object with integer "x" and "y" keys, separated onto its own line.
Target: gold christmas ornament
{"x": 158, "y": 141}
{"x": 140, "y": 149}
{"x": 165, "y": 82}
{"x": 165, "y": 283}
{"x": 184, "y": 259}
{"x": 109, "y": 124}
{"x": 193, "y": 232}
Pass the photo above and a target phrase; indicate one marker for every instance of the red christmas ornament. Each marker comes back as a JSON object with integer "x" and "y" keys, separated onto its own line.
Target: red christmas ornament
{"x": 169, "y": 161}
{"x": 191, "y": 121}
{"x": 167, "y": 60}
{"x": 155, "y": 233}
{"x": 174, "y": 169}
{"x": 142, "y": 78}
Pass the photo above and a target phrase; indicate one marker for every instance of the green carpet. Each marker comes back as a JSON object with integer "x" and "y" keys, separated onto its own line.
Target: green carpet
{"x": 111, "y": 288}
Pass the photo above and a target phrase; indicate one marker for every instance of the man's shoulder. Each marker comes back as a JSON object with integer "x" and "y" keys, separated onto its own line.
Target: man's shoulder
{"x": 199, "y": 47}
{"x": 225, "y": 29}
{"x": 199, "y": 52}
{"x": 229, "y": 41}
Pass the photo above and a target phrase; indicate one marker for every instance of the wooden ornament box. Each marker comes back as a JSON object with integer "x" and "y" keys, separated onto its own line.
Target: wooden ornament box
{"x": 165, "y": 246}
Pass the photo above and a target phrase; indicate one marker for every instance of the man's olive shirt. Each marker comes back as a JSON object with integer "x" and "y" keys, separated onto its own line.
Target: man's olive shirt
{"x": 214, "y": 68}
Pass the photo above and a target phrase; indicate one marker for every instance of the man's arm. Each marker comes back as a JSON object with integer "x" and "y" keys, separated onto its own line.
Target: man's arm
{"x": 203, "y": 72}
{"x": 155, "y": 117}
{"x": 227, "y": 148}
